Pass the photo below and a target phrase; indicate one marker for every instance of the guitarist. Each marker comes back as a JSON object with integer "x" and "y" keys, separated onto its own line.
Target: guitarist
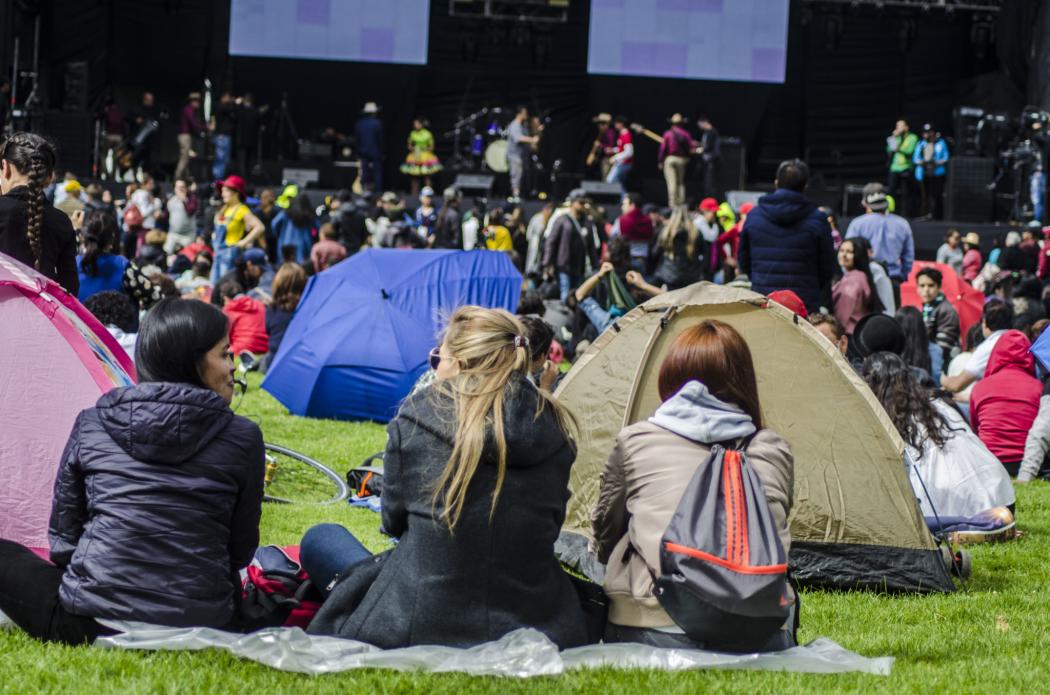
{"x": 623, "y": 158}
{"x": 604, "y": 145}
{"x": 710, "y": 152}
{"x": 675, "y": 148}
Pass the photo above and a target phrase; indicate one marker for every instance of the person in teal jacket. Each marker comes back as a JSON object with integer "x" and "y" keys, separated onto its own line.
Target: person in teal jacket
{"x": 931, "y": 168}
{"x": 900, "y": 146}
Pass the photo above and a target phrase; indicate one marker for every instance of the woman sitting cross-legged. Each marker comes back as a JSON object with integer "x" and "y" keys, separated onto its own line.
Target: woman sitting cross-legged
{"x": 158, "y": 496}
{"x": 710, "y": 396}
{"x": 475, "y": 485}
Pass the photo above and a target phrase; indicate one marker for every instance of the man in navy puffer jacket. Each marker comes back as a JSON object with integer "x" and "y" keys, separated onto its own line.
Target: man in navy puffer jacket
{"x": 786, "y": 241}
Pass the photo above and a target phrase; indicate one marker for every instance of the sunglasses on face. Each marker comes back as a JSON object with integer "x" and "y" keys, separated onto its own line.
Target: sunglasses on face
{"x": 435, "y": 358}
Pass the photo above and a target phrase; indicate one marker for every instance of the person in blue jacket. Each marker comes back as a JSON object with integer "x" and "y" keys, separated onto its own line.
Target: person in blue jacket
{"x": 931, "y": 169}
{"x": 294, "y": 229}
{"x": 158, "y": 496}
{"x": 368, "y": 137}
{"x": 786, "y": 241}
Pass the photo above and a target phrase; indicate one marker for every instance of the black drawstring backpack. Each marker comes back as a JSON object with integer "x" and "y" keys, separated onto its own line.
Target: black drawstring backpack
{"x": 723, "y": 571}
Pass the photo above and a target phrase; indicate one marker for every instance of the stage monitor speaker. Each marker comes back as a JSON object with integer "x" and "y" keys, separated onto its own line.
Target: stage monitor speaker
{"x": 969, "y": 197}
{"x": 75, "y": 86}
{"x": 72, "y": 132}
{"x": 302, "y": 177}
{"x": 602, "y": 191}
{"x": 738, "y": 198}
{"x": 479, "y": 183}
{"x": 732, "y": 167}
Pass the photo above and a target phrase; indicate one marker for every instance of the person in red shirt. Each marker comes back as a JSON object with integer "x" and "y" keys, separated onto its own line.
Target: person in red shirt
{"x": 729, "y": 242}
{"x": 247, "y": 319}
{"x": 636, "y": 228}
{"x": 673, "y": 158}
{"x": 623, "y": 159}
{"x": 1004, "y": 403}
{"x": 327, "y": 252}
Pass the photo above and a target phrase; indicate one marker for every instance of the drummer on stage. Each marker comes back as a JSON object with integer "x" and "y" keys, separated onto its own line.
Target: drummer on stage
{"x": 519, "y": 143}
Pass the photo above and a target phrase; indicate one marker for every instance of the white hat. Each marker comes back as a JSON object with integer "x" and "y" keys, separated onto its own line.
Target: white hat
{"x": 427, "y": 190}
{"x": 370, "y": 107}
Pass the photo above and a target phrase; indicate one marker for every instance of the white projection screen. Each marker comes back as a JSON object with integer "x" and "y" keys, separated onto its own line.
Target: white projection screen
{"x": 738, "y": 40}
{"x": 372, "y": 31}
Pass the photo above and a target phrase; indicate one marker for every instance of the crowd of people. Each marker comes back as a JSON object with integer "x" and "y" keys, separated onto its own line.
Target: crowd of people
{"x": 477, "y": 463}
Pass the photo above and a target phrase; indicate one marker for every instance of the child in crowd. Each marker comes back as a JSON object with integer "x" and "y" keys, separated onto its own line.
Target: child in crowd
{"x": 942, "y": 321}
{"x": 247, "y": 318}
{"x": 117, "y": 313}
{"x": 327, "y": 252}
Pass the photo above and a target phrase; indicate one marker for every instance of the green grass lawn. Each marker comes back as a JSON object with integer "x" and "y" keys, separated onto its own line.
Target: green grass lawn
{"x": 988, "y": 637}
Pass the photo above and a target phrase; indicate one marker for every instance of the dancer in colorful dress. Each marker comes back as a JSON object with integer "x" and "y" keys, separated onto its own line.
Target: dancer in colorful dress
{"x": 421, "y": 162}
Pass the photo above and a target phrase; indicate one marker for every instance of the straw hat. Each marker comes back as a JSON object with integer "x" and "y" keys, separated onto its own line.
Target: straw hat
{"x": 972, "y": 239}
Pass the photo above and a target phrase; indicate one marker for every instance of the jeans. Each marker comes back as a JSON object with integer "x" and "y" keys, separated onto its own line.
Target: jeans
{"x": 372, "y": 173}
{"x": 327, "y": 551}
{"x": 516, "y": 166}
{"x": 1037, "y": 191}
{"x": 222, "y": 157}
{"x": 566, "y": 284}
{"x": 225, "y": 258}
{"x": 601, "y": 318}
{"x": 618, "y": 174}
{"x": 29, "y": 597}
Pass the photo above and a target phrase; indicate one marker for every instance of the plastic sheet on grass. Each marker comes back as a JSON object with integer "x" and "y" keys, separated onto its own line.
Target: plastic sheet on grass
{"x": 520, "y": 654}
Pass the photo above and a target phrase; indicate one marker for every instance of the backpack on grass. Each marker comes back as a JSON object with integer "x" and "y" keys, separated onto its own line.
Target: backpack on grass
{"x": 723, "y": 570}
{"x": 277, "y": 590}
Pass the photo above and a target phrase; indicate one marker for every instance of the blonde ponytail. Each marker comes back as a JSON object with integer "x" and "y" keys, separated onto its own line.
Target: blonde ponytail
{"x": 491, "y": 349}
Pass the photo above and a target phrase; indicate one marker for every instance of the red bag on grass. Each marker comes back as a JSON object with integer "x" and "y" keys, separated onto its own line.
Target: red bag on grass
{"x": 277, "y": 590}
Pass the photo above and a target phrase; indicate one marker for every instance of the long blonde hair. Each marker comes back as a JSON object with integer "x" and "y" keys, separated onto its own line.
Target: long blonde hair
{"x": 678, "y": 221}
{"x": 491, "y": 349}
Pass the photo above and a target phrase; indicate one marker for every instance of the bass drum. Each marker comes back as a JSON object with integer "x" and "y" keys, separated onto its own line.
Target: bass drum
{"x": 496, "y": 157}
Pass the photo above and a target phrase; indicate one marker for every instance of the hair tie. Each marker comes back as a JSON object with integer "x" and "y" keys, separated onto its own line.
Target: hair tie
{"x": 521, "y": 341}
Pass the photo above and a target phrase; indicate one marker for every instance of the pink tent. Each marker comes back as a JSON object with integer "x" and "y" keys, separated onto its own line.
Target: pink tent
{"x": 57, "y": 360}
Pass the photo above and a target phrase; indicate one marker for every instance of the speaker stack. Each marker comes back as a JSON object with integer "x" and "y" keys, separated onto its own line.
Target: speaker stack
{"x": 969, "y": 197}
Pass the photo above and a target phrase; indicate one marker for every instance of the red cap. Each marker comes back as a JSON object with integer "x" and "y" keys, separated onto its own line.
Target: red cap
{"x": 790, "y": 300}
{"x": 235, "y": 182}
{"x": 709, "y": 205}
{"x": 747, "y": 207}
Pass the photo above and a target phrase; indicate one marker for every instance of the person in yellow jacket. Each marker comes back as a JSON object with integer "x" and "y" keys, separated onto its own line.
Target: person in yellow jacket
{"x": 497, "y": 236}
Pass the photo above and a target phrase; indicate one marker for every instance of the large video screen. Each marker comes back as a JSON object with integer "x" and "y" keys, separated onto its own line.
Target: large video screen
{"x": 739, "y": 40}
{"x": 373, "y": 31}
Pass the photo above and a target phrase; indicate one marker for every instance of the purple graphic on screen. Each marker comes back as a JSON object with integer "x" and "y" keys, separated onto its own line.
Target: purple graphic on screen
{"x": 658, "y": 59}
{"x": 377, "y": 43}
{"x": 767, "y": 64}
{"x": 690, "y": 5}
{"x": 313, "y": 11}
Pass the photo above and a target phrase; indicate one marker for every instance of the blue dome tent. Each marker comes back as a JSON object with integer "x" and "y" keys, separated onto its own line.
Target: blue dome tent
{"x": 363, "y": 330}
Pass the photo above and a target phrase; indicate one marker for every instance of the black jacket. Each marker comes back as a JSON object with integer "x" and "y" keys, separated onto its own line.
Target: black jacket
{"x": 157, "y": 506}
{"x": 570, "y": 245}
{"x": 786, "y": 245}
{"x": 58, "y": 259}
{"x": 489, "y": 577}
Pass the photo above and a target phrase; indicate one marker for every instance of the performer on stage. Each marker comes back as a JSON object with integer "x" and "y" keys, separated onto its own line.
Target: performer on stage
{"x": 900, "y": 146}
{"x": 931, "y": 160}
{"x": 604, "y": 146}
{"x": 144, "y": 119}
{"x": 623, "y": 159}
{"x": 519, "y": 149}
{"x": 368, "y": 136}
{"x": 421, "y": 162}
{"x": 190, "y": 126}
{"x": 710, "y": 154}
{"x": 673, "y": 159}
{"x": 249, "y": 122}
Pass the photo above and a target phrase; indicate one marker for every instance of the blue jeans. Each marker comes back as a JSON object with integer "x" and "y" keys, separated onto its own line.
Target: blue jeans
{"x": 1037, "y": 188}
{"x": 327, "y": 551}
{"x": 225, "y": 259}
{"x": 222, "y": 156}
{"x": 601, "y": 318}
{"x": 618, "y": 174}
{"x": 566, "y": 284}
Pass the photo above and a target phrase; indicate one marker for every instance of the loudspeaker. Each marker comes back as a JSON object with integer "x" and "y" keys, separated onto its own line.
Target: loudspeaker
{"x": 75, "y": 92}
{"x": 72, "y": 132}
{"x": 969, "y": 198}
{"x": 601, "y": 191}
{"x": 732, "y": 167}
{"x": 475, "y": 182}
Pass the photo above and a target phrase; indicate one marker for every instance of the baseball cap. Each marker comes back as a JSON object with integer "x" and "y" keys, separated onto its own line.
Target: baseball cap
{"x": 388, "y": 197}
{"x": 709, "y": 205}
{"x": 577, "y": 194}
{"x": 747, "y": 207}
{"x": 255, "y": 256}
{"x": 427, "y": 190}
{"x": 790, "y": 300}
{"x": 875, "y": 197}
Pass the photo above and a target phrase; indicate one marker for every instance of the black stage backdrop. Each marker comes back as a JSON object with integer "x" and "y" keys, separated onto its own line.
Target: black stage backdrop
{"x": 851, "y": 72}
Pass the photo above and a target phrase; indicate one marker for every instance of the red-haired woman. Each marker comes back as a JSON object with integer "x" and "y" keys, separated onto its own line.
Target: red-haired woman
{"x": 707, "y": 385}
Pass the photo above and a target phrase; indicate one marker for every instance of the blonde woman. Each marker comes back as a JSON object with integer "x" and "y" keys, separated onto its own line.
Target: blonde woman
{"x": 475, "y": 486}
{"x": 678, "y": 252}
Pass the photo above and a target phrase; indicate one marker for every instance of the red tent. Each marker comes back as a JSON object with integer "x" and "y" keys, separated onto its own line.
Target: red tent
{"x": 968, "y": 302}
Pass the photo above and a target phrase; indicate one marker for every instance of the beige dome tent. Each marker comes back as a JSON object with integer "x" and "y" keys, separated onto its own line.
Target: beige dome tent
{"x": 855, "y": 520}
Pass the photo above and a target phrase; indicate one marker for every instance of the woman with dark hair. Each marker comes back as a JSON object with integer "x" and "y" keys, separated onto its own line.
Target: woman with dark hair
{"x": 158, "y": 496}
{"x": 854, "y": 296}
{"x": 952, "y": 472}
{"x": 100, "y": 268}
{"x": 710, "y": 396}
{"x": 950, "y": 253}
{"x": 31, "y": 229}
{"x": 918, "y": 350}
{"x": 294, "y": 228}
{"x": 421, "y": 162}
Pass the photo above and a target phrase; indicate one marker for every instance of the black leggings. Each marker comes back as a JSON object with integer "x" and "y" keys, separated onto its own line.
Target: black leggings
{"x": 29, "y": 597}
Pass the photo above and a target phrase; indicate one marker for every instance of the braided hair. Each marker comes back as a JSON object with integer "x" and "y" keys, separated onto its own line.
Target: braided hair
{"x": 34, "y": 157}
